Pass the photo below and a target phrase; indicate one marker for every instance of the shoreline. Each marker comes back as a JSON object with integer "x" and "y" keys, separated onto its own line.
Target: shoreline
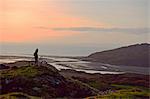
{"x": 76, "y": 64}
{"x": 70, "y": 70}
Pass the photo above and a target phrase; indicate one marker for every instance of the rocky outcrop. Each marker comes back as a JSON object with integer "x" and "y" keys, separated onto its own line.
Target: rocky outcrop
{"x": 41, "y": 81}
{"x": 2, "y": 66}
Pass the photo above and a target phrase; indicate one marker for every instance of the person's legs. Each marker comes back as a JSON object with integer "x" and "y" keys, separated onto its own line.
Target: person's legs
{"x": 36, "y": 60}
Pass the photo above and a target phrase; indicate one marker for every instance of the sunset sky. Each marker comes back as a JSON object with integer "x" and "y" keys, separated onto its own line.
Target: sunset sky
{"x": 71, "y": 27}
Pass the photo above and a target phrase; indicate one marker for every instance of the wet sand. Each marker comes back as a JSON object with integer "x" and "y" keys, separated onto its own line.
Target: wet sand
{"x": 78, "y": 65}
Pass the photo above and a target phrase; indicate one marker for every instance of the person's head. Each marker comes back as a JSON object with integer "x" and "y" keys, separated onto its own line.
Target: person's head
{"x": 37, "y": 50}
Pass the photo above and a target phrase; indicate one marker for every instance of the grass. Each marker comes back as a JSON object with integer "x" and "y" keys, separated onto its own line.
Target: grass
{"x": 126, "y": 86}
{"x": 27, "y": 71}
{"x": 126, "y": 92}
{"x": 132, "y": 90}
{"x": 17, "y": 95}
{"x": 95, "y": 84}
{"x": 98, "y": 85}
{"x": 122, "y": 91}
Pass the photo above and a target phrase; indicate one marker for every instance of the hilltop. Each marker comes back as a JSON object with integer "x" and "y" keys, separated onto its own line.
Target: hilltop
{"x": 133, "y": 55}
{"x": 25, "y": 80}
{"x": 45, "y": 81}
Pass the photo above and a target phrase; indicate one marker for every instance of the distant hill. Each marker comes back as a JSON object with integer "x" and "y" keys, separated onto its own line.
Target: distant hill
{"x": 133, "y": 55}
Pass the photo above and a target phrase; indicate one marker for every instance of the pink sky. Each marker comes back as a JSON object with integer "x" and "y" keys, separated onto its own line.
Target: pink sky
{"x": 71, "y": 27}
{"x": 20, "y": 21}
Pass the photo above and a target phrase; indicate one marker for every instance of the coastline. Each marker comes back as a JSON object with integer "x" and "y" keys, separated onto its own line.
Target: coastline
{"x": 79, "y": 65}
{"x": 19, "y": 76}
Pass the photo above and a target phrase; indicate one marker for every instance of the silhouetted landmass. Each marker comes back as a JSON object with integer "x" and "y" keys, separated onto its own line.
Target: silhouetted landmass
{"x": 24, "y": 77}
{"x": 25, "y": 80}
{"x": 134, "y": 55}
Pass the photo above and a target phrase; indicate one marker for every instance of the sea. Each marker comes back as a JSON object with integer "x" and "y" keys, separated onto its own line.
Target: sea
{"x": 74, "y": 63}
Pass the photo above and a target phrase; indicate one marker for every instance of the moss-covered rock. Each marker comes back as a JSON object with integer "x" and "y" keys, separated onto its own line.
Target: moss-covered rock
{"x": 43, "y": 81}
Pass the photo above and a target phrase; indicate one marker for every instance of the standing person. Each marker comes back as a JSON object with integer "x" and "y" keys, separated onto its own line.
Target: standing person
{"x": 36, "y": 56}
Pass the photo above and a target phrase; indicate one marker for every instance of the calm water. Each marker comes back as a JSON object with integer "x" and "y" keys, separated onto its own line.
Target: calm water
{"x": 89, "y": 67}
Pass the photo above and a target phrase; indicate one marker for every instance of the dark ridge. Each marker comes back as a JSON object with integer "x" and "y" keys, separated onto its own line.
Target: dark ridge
{"x": 133, "y": 55}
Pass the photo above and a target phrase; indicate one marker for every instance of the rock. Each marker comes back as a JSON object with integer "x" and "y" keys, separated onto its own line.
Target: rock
{"x": 41, "y": 81}
{"x": 2, "y": 66}
{"x": 18, "y": 96}
{"x": 14, "y": 67}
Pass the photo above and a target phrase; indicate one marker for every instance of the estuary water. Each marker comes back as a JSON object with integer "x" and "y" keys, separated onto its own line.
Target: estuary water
{"x": 78, "y": 65}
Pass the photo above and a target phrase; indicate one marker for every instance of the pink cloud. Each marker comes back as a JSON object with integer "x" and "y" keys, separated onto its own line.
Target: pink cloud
{"x": 18, "y": 17}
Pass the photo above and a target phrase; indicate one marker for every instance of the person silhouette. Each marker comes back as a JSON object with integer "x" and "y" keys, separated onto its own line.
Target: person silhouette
{"x": 36, "y": 56}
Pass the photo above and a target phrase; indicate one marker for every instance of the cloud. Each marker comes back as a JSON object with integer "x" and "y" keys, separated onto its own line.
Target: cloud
{"x": 42, "y": 27}
{"x": 97, "y": 29}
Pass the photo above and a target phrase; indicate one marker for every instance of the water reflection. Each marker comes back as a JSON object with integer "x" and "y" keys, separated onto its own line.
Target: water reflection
{"x": 89, "y": 67}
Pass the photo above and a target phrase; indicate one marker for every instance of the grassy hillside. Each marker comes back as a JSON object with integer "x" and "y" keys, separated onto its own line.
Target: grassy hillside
{"x": 134, "y": 55}
{"x": 39, "y": 81}
{"x": 109, "y": 86}
{"x": 46, "y": 82}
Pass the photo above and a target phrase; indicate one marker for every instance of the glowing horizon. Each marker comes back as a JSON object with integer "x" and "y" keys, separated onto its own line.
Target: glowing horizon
{"x": 73, "y": 22}
{"x": 20, "y": 21}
